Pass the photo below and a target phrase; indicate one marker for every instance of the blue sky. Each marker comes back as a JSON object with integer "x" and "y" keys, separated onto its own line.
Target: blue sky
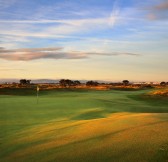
{"x": 90, "y": 39}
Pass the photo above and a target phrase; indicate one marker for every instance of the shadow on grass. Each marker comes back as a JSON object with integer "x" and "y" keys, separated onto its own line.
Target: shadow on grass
{"x": 42, "y": 92}
{"x": 18, "y": 91}
{"x": 155, "y": 104}
{"x": 161, "y": 154}
{"x": 91, "y": 114}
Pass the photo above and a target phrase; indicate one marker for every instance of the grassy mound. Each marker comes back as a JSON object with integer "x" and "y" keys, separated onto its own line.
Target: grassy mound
{"x": 120, "y": 137}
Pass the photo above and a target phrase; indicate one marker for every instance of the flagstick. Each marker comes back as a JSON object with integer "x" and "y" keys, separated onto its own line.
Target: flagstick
{"x": 37, "y": 94}
{"x": 37, "y": 97}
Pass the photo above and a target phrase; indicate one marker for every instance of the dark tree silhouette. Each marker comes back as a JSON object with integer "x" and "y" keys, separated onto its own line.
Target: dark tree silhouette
{"x": 69, "y": 82}
{"x": 163, "y": 83}
{"x": 76, "y": 82}
{"x": 24, "y": 81}
{"x": 66, "y": 82}
{"x": 28, "y": 81}
{"x": 62, "y": 83}
{"x": 125, "y": 82}
{"x": 92, "y": 83}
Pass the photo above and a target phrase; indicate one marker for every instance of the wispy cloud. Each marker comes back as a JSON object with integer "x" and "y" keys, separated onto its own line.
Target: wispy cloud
{"x": 114, "y": 15}
{"x": 51, "y": 53}
{"x": 25, "y": 31}
{"x": 3, "y": 50}
{"x": 56, "y": 27}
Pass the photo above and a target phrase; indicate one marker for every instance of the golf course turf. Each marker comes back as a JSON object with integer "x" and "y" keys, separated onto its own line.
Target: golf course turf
{"x": 73, "y": 125}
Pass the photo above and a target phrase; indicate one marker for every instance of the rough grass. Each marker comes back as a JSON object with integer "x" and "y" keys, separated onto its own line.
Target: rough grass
{"x": 160, "y": 92}
{"x": 85, "y": 126}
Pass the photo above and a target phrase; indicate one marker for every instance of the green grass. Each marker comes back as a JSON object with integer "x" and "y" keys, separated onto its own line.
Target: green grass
{"x": 82, "y": 125}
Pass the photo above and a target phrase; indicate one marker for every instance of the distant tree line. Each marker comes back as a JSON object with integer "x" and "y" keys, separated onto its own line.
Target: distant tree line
{"x": 69, "y": 83}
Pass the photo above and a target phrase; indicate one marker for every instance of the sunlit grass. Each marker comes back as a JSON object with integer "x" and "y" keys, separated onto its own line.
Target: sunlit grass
{"x": 130, "y": 135}
{"x": 160, "y": 92}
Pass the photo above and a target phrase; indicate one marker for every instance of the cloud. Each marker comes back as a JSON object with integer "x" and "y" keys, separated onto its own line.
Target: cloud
{"x": 57, "y": 28}
{"x": 13, "y": 38}
{"x": 29, "y": 54}
{"x": 159, "y": 11}
{"x": 19, "y": 32}
{"x": 112, "y": 53}
{"x": 114, "y": 15}
{"x": 52, "y": 21}
{"x": 3, "y": 50}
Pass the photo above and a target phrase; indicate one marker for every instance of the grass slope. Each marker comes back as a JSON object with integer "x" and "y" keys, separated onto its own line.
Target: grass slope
{"x": 82, "y": 125}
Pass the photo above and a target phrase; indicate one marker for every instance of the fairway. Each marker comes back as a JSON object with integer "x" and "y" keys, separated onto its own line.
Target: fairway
{"x": 73, "y": 125}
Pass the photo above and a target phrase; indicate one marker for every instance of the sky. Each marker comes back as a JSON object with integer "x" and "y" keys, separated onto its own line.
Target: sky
{"x": 110, "y": 40}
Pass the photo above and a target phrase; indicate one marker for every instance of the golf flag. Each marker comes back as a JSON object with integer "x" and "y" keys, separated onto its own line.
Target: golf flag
{"x": 38, "y": 88}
